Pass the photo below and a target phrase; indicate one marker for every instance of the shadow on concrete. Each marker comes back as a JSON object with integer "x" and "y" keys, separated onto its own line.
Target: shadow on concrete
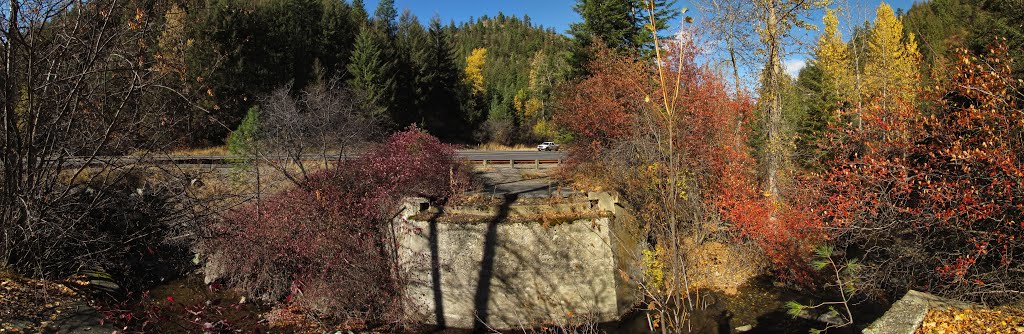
{"x": 483, "y": 286}
{"x": 526, "y": 274}
{"x": 504, "y": 181}
{"x": 435, "y": 270}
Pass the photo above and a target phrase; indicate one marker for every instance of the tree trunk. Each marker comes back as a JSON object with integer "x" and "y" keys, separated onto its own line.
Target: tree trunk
{"x": 10, "y": 187}
{"x": 774, "y": 101}
{"x": 735, "y": 67}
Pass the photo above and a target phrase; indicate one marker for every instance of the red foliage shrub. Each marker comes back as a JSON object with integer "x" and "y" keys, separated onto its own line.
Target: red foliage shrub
{"x": 933, "y": 200}
{"x": 600, "y": 109}
{"x": 619, "y": 119}
{"x": 324, "y": 245}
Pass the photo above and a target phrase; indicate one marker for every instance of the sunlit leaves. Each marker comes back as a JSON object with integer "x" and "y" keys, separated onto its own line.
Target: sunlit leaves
{"x": 943, "y": 183}
{"x": 893, "y": 63}
{"x": 474, "y": 72}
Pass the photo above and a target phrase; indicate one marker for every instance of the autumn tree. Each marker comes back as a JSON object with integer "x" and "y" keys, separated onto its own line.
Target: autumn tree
{"x": 891, "y": 71}
{"x": 474, "y": 71}
{"x": 666, "y": 138}
{"x": 517, "y": 51}
{"x": 326, "y": 121}
{"x": 821, "y": 90}
{"x": 324, "y": 246}
{"x": 776, "y": 18}
{"x": 533, "y": 103}
{"x": 833, "y": 56}
{"x": 729, "y": 21}
{"x": 929, "y": 199}
{"x": 77, "y": 84}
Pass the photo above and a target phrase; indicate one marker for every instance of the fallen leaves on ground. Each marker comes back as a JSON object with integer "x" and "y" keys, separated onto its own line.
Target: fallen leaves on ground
{"x": 30, "y": 306}
{"x": 996, "y": 320}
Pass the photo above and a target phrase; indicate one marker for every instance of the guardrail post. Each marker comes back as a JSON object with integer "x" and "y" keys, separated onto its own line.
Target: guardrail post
{"x": 512, "y": 162}
{"x": 536, "y": 164}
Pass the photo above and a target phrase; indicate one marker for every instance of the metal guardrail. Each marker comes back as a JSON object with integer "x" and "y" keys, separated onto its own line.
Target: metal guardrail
{"x": 515, "y": 162}
{"x": 511, "y": 158}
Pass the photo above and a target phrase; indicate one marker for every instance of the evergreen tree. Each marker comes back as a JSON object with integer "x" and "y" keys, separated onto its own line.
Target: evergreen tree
{"x": 412, "y": 46}
{"x": 242, "y": 142}
{"x": 439, "y": 85}
{"x": 384, "y": 16}
{"x": 358, "y": 15}
{"x": 338, "y": 34}
{"x": 621, "y": 24}
{"x": 384, "y": 34}
{"x": 614, "y": 22}
{"x": 819, "y": 103}
{"x": 368, "y": 72}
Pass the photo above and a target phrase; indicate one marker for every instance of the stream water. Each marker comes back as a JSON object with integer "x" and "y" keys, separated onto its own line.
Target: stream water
{"x": 757, "y": 307}
{"x": 188, "y": 305}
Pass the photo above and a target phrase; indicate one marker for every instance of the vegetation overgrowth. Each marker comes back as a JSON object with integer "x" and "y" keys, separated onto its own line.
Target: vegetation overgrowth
{"x": 326, "y": 245}
{"x": 895, "y": 153}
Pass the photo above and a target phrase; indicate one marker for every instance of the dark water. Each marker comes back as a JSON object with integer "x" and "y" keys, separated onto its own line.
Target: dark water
{"x": 188, "y": 305}
{"x": 759, "y": 305}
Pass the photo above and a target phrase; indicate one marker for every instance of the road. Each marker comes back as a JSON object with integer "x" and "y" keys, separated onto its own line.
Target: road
{"x": 475, "y": 156}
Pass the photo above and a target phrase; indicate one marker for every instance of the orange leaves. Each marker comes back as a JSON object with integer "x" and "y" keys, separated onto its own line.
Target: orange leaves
{"x": 942, "y": 181}
{"x": 999, "y": 320}
{"x": 600, "y": 108}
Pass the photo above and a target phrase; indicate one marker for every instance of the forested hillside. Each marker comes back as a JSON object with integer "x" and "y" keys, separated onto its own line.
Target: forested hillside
{"x": 522, "y": 66}
{"x": 891, "y": 162}
{"x": 228, "y": 54}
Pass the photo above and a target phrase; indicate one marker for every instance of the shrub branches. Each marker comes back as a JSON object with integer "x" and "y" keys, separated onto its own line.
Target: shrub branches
{"x": 933, "y": 200}
{"x": 325, "y": 245}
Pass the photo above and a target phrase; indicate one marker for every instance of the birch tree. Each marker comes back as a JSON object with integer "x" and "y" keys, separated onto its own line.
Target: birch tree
{"x": 776, "y": 19}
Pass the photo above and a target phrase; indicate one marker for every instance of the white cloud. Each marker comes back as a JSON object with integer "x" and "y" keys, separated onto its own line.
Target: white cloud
{"x": 793, "y": 66}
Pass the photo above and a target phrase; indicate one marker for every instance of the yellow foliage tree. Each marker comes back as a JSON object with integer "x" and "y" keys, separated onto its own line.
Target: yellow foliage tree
{"x": 891, "y": 71}
{"x": 833, "y": 57}
{"x": 475, "y": 70}
{"x": 173, "y": 43}
{"x": 532, "y": 107}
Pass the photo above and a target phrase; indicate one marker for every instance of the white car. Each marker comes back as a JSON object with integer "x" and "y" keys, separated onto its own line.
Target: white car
{"x": 547, "y": 146}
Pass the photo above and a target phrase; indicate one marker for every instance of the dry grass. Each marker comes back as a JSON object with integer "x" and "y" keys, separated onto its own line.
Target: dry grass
{"x": 188, "y": 152}
{"x": 214, "y": 150}
{"x": 718, "y": 266}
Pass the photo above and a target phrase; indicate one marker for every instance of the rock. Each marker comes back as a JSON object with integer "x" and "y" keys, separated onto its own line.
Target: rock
{"x": 906, "y": 315}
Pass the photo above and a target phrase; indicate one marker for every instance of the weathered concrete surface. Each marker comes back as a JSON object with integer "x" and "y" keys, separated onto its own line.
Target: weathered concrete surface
{"x": 510, "y": 274}
{"x": 906, "y": 315}
{"x": 524, "y": 182}
{"x": 627, "y": 247}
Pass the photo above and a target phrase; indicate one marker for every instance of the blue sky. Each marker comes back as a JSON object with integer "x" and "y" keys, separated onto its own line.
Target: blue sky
{"x": 559, "y": 14}
{"x": 549, "y": 13}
